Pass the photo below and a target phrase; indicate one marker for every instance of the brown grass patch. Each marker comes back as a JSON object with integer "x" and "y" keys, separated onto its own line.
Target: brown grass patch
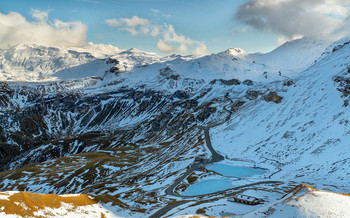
{"x": 26, "y": 204}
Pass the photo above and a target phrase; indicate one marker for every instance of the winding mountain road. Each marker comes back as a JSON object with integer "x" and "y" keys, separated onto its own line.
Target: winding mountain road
{"x": 215, "y": 157}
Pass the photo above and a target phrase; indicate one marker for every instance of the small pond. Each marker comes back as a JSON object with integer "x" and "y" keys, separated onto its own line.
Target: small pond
{"x": 232, "y": 171}
{"x": 208, "y": 186}
{"x": 215, "y": 185}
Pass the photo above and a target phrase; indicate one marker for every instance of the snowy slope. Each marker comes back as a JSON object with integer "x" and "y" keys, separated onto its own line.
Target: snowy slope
{"x": 135, "y": 58}
{"x": 100, "y": 51}
{"x": 306, "y": 201}
{"x": 41, "y": 63}
{"x": 292, "y": 57}
{"x": 306, "y": 135}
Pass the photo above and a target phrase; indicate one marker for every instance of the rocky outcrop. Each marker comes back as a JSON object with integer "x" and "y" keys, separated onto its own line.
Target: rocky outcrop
{"x": 343, "y": 87}
{"x": 248, "y": 82}
{"x": 6, "y": 93}
{"x": 180, "y": 94}
{"x": 336, "y": 48}
{"x": 252, "y": 94}
{"x": 112, "y": 61}
{"x": 168, "y": 73}
{"x": 273, "y": 97}
{"x": 237, "y": 105}
{"x": 226, "y": 82}
{"x": 205, "y": 113}
{"x": 288, "y": 83}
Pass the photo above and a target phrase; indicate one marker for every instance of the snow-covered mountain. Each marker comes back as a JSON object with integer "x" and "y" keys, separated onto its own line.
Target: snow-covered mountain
{"x": 33, "y": 63}
{"x": 139, "y": 130}
{"x": 41, "y": 63}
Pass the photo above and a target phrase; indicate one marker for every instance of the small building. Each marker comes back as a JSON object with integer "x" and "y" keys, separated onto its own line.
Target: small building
{"x": 245, "y": 199}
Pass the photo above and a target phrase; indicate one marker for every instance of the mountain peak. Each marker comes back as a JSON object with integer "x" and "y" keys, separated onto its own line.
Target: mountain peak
{"x": 236, "y": 52}
{"x": 135, "y": 50}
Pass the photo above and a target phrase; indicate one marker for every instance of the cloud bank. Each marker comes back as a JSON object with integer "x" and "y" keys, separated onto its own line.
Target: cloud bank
{"x": 169, "y": 41}
{"x": 134, "y": 25}
{"x": 296, "y": 18}
{"x": 15, "y": 29}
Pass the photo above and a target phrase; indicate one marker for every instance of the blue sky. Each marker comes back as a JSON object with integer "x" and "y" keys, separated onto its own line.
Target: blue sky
{"x": 208, "y": 23}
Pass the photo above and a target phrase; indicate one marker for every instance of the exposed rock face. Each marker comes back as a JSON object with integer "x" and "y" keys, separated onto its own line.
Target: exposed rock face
{"x": 5, "y": 94}
{"x": 236, "y": 105}
{"x": 205, "y": 113}
{"x": 248, "y": 82}
{"x": 252, "y": 94}
{"x": 343, "y": 87}
{"x": 226, "y": 82}
{"x": 272, "y": 96}
{"x": 180, "y": 94}
{"x": 288, "y": 83}
{"x": 114, "y": 70}
{"x": 112, "y": 61}
{"x": 168, "y": 73}
{"x": 336, "y": 48}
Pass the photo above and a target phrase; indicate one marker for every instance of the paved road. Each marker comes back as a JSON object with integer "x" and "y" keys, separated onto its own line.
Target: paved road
{"x": 215, "y": 157}
{"x": 164, "y": 210}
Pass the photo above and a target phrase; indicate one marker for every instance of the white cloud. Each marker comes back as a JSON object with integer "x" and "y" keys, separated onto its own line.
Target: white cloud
{"x": 182, "y": 49}
{"x": 200, "y": 50}
{"x": 155, "y": 31}
{"x": 130, "y": 22}
{"x": 169, "y": 41}
{"x": 41, "y": 16}
{"x": 293, "y": 18}
{"x": 15, "y": 29}
{"x": 134, "y": 25}
{"x": 338, "y": 8}
{"x": 282, "y": 39}
{"x": 171, "y": 36}
{"x": 164, "y": 47}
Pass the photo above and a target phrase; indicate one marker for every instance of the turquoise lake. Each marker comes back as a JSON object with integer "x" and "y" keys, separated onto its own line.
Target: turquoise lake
{"x": 215, "y": 185}
{"x": 208, "y": 186}
{"x": 232, "y": 171}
